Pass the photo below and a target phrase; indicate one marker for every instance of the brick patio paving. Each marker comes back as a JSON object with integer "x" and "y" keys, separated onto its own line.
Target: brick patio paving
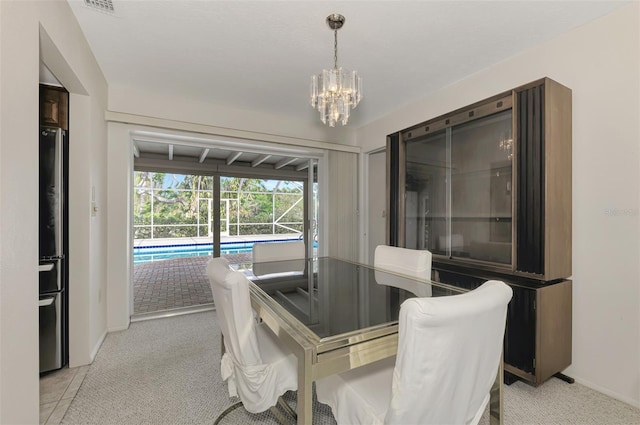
{"x": 174, "y": 283}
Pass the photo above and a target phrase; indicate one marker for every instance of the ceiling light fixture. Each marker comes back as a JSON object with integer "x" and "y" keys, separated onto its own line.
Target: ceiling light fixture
{"x": 336, "y": 91}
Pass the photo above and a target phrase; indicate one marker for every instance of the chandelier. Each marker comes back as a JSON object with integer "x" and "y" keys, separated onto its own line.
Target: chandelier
{"x": 335, "y": 91}
{"x": 506, "y": 144}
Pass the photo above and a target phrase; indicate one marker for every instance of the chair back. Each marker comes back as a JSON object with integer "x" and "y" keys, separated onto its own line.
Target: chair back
{"x": 278, "y": 251}
{"x": 233, "y": 305}
{"x": 449, "y": 351}
{"x": 409, "y": 262}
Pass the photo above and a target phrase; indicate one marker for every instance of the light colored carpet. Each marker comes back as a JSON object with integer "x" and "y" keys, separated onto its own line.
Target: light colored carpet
{"x": 166, "y": 371}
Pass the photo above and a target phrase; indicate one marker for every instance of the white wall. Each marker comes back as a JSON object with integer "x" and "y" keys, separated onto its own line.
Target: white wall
{"x": 151, "y": 104}
{"x": 600, "y": 62}
{"x": 120, "y": 296}
{"x": 29, "y": 30}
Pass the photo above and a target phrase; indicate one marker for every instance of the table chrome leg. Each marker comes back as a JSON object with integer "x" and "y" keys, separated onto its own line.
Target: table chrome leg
{"x": 286, "y": 408}
{"x": 305, "y": 385}
{"x": 496, "y": 398}
{"x": 279, "y": 416}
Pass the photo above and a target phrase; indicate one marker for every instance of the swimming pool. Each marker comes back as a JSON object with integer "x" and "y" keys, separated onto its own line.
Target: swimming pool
{"x": 156, "y": 253}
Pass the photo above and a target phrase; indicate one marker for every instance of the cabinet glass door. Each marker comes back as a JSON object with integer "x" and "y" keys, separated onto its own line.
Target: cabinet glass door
{"x": 458, "y": 190}
{"x": 481, "y": 188}
{"x": 426, "y": 195}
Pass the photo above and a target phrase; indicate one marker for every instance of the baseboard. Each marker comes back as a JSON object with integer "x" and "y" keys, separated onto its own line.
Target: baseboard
{"x": 96, "y": 348}
{"x": 612, "y": 394}
{"x": 119, "y": 327}
{"x": 172, "y": 312}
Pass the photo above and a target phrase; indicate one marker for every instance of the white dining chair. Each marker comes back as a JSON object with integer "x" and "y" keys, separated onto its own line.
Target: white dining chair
{"x": 449, "y": 352}
{"x": 278, "y": 258}
{"x": 278, "y": 251}
{"x": 408, "y": 262}
{"x": 255, "y": 365}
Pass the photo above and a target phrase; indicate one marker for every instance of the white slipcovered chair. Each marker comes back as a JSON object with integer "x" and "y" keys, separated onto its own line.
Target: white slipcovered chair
{"x": 278, "y": 257}
{"x": 278, "y": 251}
{"x": 449, "y": 351}
{"x": 409, "y": 262}
{"x": 257, "y": 369}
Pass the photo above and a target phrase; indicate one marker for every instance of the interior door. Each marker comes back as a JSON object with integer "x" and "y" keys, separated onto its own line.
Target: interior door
{"x": 377, "y": 201}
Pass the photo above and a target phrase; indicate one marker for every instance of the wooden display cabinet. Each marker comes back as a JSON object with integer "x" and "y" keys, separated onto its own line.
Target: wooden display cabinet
{"x": 487, "y": 189}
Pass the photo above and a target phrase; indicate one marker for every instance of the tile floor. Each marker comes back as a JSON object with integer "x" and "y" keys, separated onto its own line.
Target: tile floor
{"x": 57, "y": 390}
{"x": 174, "y": 283}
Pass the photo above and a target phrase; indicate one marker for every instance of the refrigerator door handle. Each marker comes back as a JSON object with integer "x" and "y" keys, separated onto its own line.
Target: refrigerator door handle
{"x": 46, "y": 301}
{"x": 45, "y": 267}
{"x": 59, "y": 180}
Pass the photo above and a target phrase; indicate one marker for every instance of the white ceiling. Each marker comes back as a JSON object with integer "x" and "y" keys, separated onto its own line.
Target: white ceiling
{"x": 259, "y": 55}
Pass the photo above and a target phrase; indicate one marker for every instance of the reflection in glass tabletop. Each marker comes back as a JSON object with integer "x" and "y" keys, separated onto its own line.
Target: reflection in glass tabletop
{"x": 333, "y": 297}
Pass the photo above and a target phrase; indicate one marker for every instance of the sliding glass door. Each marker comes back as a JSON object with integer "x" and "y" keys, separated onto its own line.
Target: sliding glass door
{"x": 183, "y": 214}
{"x": 257, "y": 210}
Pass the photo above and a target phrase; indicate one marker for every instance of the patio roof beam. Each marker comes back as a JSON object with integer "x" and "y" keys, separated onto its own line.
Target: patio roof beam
{"x": 284, "y": 162}
{"x": 203, "y": 155}
{"x": 259, "y": 160}
{"x": 232, "y": 157}
{"x": 170, "y": 152}
{"x": 302, "y": 166}
{"x": 136, "y": 151}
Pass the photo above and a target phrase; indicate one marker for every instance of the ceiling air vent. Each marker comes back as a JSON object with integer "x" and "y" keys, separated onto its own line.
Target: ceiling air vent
{"x": 102, "y": 5}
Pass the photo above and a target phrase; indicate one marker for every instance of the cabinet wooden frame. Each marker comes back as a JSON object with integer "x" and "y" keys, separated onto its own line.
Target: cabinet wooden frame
{"x": 555, "y": 170}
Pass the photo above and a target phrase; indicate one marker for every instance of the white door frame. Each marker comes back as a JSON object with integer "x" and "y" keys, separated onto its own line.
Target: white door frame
{"x": 364, "y": 202}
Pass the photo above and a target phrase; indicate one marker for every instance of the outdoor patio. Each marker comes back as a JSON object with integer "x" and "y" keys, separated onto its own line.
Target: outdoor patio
{"x": 182, "y": 282}
{"x": 174, "y": 283}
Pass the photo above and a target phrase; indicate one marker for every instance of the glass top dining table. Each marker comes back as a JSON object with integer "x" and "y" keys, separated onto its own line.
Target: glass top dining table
{"x": 336, "y": 315}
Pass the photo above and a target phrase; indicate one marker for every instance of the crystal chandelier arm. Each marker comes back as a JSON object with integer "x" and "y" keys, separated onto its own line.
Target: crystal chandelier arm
{"x": 314, "y": 90}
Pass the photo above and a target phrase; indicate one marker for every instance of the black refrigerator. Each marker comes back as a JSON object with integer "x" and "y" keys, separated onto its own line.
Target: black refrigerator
{"x": 53, "y": 242}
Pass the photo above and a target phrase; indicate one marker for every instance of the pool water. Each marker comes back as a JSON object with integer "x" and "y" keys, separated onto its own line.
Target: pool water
{"x": 156, "y": 253}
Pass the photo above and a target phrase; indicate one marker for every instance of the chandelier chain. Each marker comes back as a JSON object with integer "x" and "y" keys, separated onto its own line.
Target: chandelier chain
{"x": 335, "y": 49}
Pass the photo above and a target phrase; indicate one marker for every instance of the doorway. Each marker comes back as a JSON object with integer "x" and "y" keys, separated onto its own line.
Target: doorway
{"x": 183, "y": 219}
